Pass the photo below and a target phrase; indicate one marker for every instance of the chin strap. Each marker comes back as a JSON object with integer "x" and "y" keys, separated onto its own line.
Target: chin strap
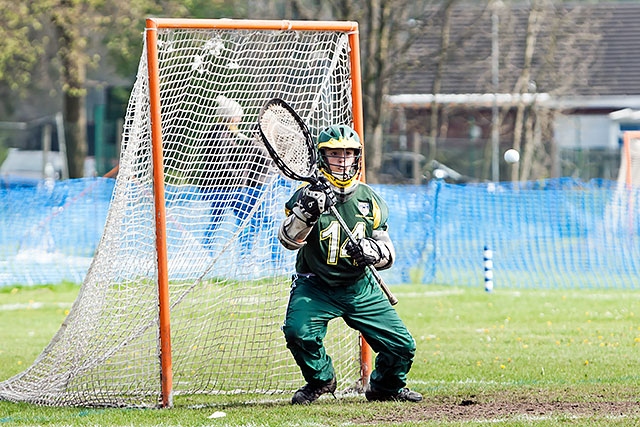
{"x": 344, "y": 194}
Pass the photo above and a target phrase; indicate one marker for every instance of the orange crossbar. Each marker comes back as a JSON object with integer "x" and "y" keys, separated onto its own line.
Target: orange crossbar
{"x": 252, "y": 24}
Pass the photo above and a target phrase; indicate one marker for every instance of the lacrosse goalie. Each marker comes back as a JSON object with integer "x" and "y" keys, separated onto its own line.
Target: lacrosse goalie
{"x": 331, "y": 279}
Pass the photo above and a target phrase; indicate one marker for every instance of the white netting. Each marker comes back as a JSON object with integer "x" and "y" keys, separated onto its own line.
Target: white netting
{"x": 228, "y": 275}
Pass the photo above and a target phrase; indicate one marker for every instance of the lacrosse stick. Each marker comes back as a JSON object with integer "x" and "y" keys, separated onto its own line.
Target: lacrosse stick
{"x": 291, "y": 147}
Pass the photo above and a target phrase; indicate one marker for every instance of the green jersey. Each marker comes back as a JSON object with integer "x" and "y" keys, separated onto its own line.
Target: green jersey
{"x": 324, "y": 254}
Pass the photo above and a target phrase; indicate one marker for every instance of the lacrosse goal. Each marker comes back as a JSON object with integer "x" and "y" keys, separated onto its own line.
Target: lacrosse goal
{"x": 187, "y": 289}
{"x": 629, "y": 173}
{"x": 621, "y": 215}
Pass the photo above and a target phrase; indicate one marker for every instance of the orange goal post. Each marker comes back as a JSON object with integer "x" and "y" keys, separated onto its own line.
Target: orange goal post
{"x": 629, "y": 173}
{"x": 188, "y": 286}
{"x": 621, "y": 211}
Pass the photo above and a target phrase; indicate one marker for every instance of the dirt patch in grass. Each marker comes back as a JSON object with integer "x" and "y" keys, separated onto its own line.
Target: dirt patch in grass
{"x": 507, "y": 405}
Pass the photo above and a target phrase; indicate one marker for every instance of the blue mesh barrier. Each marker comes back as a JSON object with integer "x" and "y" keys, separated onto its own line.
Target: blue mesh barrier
{"x": 554, "y": 233}
{"x": 50, "y": 231}
{"x": 544, "y": 234}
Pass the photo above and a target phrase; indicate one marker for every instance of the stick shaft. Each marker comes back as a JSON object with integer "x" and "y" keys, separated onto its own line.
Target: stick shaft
{"x": 392, "y": 299}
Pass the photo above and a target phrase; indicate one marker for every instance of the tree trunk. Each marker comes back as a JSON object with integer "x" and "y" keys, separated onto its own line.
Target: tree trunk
{"x": 375, "y": 157}
{"x": 374, "y": 86}
{"x": 523, "y": 85}
{"x": 437, "y": 79}
{"x": 75, "y": 133}
{"x": 71, "y": 56}
{"x": 416, "y": 169}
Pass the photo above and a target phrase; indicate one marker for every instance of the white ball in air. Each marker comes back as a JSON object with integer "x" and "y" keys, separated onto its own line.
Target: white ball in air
{"x": 511, "y": 156}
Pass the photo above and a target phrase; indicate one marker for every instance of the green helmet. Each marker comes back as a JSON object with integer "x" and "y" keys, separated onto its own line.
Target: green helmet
{"x": 339, "y": 137}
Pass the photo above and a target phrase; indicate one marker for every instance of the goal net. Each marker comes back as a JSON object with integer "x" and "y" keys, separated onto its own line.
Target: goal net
{"x": 188, "y": 287}
{"x": 629, "y": 173}
{"x": 621, "y": 216}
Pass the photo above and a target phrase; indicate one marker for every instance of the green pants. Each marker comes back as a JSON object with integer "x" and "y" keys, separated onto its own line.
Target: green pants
{"x": 363, "y": 307}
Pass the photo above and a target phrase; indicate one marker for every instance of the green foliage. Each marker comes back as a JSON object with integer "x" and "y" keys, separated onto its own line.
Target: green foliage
{"x": 125, "y": 23}
{"x": 124, "y": 30}
{"x": 86, "y": 25}
{"x": 4, "y": 151}
{"x": 20, "y": 46}
{"x": 208, "y": 9}
{"x": 543, "y": 347}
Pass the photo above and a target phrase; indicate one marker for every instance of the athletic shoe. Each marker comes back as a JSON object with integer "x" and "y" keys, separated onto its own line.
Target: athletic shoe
{"x": 310, "y": 393}
{"x": 404, "y": 395}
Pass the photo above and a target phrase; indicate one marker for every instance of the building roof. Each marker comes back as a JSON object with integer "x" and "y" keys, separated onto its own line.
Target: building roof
{"x": 583, "y": 53}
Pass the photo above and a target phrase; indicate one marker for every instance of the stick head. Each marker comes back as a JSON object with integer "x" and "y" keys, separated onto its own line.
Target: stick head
{"x": 288, "y": 141}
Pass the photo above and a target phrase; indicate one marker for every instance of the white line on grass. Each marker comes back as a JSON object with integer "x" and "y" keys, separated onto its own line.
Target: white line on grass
{"x": 596, "y": 294}
{"x": 457, "y": 291}
{"x": 33, "y": 306}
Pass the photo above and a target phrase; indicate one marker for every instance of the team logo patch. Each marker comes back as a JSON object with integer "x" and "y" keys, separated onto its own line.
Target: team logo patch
{"x": 363, "y": 207}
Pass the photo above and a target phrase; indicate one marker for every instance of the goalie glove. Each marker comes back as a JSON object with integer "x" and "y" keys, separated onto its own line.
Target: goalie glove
{"x": 313, "y": 201}
{"x": 365, "y": 252}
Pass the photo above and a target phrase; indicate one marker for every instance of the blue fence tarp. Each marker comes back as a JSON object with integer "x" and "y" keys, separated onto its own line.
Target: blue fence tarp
{"x": 553, "y": 233}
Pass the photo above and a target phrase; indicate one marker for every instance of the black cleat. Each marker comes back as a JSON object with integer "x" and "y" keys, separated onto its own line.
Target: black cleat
{"x": 310, "y": 393}
{"x": 404, "y": 395}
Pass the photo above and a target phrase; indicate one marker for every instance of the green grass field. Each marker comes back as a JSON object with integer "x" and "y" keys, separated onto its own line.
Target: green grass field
{"x": 512, "y": 357}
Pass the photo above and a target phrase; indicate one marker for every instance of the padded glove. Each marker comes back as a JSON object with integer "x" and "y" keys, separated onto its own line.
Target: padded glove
{"x": 314, "y": 200}
{"x": 365, "y": 252}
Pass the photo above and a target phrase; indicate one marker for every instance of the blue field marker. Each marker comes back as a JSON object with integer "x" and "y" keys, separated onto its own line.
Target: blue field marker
{"x": 488, "y": 269}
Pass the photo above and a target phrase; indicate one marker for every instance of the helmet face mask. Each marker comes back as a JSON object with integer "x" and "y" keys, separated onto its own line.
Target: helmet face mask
{"x": 340, "y": 152}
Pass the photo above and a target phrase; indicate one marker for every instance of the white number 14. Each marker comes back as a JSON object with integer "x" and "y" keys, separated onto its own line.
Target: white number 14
{"x": 332, "y": 233}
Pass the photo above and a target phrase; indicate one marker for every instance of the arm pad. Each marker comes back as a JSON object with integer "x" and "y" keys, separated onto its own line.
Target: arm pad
{"x": 293, "y": 232}
{"x": 386, "y": 249}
